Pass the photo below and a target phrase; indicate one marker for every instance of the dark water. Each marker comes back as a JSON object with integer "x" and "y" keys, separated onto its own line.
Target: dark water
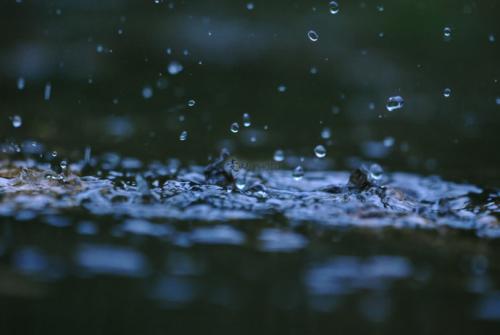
{"x": 110, "y": 224}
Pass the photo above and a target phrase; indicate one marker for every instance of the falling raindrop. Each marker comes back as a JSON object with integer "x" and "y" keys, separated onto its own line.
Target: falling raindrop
{"x": 99, "y": 48}
{"x": 491, "y": 38}
{"x": 47, "y": 92}
{"x": 394, "y": 103}
{"x": 389, "y": 142}
{"x": 250, "y": 6}
{"x": 246, "y": 120}
{"x": 147, "y": 92}
{"x": 334, "y": 7}
{"x": 380, "y": 8}
{"x": 375, "y": 172}
{"x": 447, "y": 92}
{"x": 447, "y": 33}
{"x": 298, "y": 173}
{"x": 497, "y": 100}
{"x": 313, "y": 36}
{"x": 183, "y": 136}
{"x": 326, "y": 133}
{"x": 175, "y": 68}
{"x": 17, "y": 121}
{"x": 281, "y": 88}
{"x": 20, "y": 83}
{"x": 191, "y": 103}
{"x": 279, "y": 156}
{"x": 320, "y": 151}
{"x": 235, "y": 127}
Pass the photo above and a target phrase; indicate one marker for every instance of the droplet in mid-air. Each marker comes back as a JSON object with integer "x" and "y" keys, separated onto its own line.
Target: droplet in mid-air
{"x": 380, "y": 8}
{"x": 394, "y": 103}
{"x": 240, "y": 183}
{"x": 447, "y": 92}
{"x": 281, "y": 88}
{"x": 175, "y": 68}
{"x": 326, "y": 133}
{"x": 320, "y": 151}
{"x": 491, "y": 38}
{"x": 17, "y": 121}
{"x": 334, "y": 7}
{"x": 312, "y": 35}
{"x": 250, "y": 6}
{"x": 183, "y": 136}
{"x": 235, "y": 127}
{"x": 497, "y": 100}
{"x": 375, "y": 172}
{"x": 247, "y": 122}
{"x": 191, "y": 103}
{"x": 47, "y": 92}
{"x": 20, "y": 83}
{"x": 447, "y": 33}
{"x": 298, "y": 173}
{"x": 279, "y": 156}
{"x": 147, "y": 92}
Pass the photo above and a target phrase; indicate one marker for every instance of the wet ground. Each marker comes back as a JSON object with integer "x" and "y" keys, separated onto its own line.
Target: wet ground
{"x": 360, "y": 195}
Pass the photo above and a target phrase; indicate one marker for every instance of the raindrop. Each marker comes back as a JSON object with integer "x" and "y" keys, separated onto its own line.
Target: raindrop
{"x": 380, "y": 8}
{"x": 375, "y": 172}
{"x": 17, "y": 121}
{"x": 147, "y": 92}
{"x": 394, "y": 103}
{"x": 298, "y": 173}
{"x": 246, "y": 120}
{"x": 491, "y": 38}
{"x": 63, "y": 165}
{"x": 235, "y": 127}
{"x": 313, "y": 70}
{"x": 99, "y": 48}
{"x": 47, "y": 92}
{"x": 279, "y": 156}
{"x": 281, "y": 88}
{"x": 250, "y": 6}
{"x": 53, "y": 154}
{"x": 191, "y": 103}
{"x": 320, "y": 151}
{"x": 389, "y": 142}
{"x": 20, "y": 83}
{"x": 313, "y": 36}
{"x": 183, "y": 136}
{"x": 447, "y": 33}
{"x": 334, "y": 7}
{"x": 447, "y": 92}
{"x": 175, "y": 68}
{"x": 497, "y": 100}
{"x": 326, "y": 133}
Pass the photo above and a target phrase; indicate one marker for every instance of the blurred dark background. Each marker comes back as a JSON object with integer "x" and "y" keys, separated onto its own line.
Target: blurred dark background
{"x": 107, "y": 65}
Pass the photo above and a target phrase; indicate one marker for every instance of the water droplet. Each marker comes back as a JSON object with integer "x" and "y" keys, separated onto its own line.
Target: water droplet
{"x": 447, "y": 33}
{"x": 240, "y": 183}
{"x": 63, "y": 165}
{"x": 326, "y": 133}
{"x": 491, "y": 38}
{"x": 147, "y": 92}
{"x": 47, "y": 92}
{"x": 447, "y": 92}
{"x": 279, "y": 156}
{"x": 246, "y": 120}
{"x": 235, "y": 127}
{"x": 53, "y": 154}
{"x": 389, "y": 142}
{"x": 497, "y": 100}
{"x": 313, "y": 70}
{"x": 298, "y": 173}
{"x": 250, "y": 6}
{"x": 191, "y": 102}
{"x": 281, "y": 88}
{"x": 375, "y": 172}
{"x": 99, "y": 48}
{"x": 380, "y": 8}
{"x": 320, "y": 151}
{"x": 334, "y": 7}
{"x": 394, "y": 103}
{"x": 313, "y": 36}
{"x": 20, "y": 83}
{"x": 174, "y": 68}
{"x": 17, "y": 121}
{"x": 183, "y": 136}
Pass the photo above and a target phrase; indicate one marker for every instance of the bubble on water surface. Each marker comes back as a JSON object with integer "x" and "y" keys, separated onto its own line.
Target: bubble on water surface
{"x": 394, "y": 103}
{"x": 312, "y": 35}
{"x": 334, "y": 7}
{"x": 447, "y": 92}
{"x": 147, "y": 92}
{"x": 183, "y": 136}
{"x": 17, "y": 121}
{"x": 298, "y": 173}
{"x": 175, "y": 68}
{"x": 279, "y": 156}
{"x": 246, "y": 120}
{"x": 235, "y": 127}
{"x": 320, "y": 151}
